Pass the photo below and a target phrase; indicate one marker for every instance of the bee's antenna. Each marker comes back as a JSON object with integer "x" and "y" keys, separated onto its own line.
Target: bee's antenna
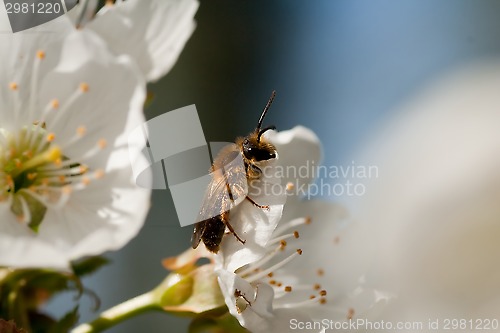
{"x": 272, "y": 127}
{"x": 268, "y": 105}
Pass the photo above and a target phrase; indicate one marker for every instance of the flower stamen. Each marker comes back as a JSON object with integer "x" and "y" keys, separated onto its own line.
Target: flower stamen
{"x": 255, "y": 277}
{"x": 292, "y": 224}
{"x": 295, "y": 234}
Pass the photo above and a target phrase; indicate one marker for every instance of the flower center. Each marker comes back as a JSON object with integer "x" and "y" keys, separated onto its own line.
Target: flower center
{"x": 35, "y": 174}
{"x": 268, "y": 270}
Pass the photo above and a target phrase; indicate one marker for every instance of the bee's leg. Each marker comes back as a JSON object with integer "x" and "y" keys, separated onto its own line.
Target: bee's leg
{"x": 256, "y": 204}
{"x": 230, "y": 227}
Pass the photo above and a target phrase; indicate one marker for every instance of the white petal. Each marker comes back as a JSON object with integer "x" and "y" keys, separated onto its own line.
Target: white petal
{"x": 102, "y": 110}
{"x": 104, "y": 216}
{"x": 330, "y": 244}
{"x": 18, "y": 53}
{"x": 155, "y": 30}
{"x": 253, "y": 224}
{"x": 299, "y": 152}
{"x": 19, "y": 246}
{"x": 257, "y": 316}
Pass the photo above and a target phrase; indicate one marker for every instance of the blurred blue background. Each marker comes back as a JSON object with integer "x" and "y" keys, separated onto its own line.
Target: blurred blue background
{"x": 339, "y": 68}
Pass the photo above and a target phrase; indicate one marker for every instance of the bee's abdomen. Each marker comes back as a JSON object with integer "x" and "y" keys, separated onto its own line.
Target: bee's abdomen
{"x": 214, "y": 230}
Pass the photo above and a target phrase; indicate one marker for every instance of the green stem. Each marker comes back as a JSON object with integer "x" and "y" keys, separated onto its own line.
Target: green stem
{"x": 137, "y": 305}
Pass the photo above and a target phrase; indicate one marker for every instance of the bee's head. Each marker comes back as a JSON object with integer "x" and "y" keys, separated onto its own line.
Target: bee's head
{"x": 254, "y": 147}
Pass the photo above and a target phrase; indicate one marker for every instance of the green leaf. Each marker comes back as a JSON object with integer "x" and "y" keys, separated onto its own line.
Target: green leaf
{"x": 66, "y": 323}
{"x": 88, "y": 265}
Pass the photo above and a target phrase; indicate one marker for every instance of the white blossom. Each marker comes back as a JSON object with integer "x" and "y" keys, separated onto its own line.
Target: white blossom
{"x": 295, "y": 276}
{"x": 67, "y": 105}
{"x": 69, "y": 98}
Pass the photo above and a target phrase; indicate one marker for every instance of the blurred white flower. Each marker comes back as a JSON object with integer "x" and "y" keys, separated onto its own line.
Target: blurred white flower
{"x": 434, "y": 213}
{"x": 293, "y": 276}
{"x": 66, "y": 186}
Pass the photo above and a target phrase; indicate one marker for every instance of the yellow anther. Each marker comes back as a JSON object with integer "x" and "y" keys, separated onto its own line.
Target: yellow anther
{"x": 83, "y": 169}
{"x": 54, "y": 154}
{"x": 99, "y": 174}
{"x": 51, "y": 137}
{"x": 102, "y": 143}
{"x": 40, "y": 54}
{"x": 54, "y": 103}
{"x": 84, "y": 87}
{"x": 67, "y": 189}
{"x": 81, "y": 131}
{"x": 13, "y": 86}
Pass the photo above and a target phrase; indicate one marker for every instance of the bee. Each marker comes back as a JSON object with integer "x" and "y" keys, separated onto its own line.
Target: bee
{"x": 230, "y": 181}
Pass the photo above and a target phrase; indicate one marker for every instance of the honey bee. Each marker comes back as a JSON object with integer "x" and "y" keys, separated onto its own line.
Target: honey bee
{"x": 229, "y": 182}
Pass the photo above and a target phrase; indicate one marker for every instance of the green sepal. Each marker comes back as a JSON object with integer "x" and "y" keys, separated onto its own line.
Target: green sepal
{"x": 221, "y": 324}
{"x": 89, "y": 265}
{"x": 66, "y": 323}
{"x": 191, "y": 294}
{"x": 36, "y": 208}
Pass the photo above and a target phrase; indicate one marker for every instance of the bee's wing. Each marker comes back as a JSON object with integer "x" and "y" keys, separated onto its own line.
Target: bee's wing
{"x": 199, "y": 228}
{"x": 214, "y": 203}
{"x": 227, "y": 185}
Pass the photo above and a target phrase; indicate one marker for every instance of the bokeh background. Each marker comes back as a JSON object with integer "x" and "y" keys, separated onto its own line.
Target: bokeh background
{"x": 341, "y": 68}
